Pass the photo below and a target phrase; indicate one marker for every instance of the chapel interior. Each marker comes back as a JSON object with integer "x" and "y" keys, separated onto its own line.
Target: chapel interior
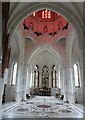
{"x": 41, "y": 59}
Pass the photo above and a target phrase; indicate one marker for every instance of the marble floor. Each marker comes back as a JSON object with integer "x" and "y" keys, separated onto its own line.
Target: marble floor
{"x": 43, "y": 107}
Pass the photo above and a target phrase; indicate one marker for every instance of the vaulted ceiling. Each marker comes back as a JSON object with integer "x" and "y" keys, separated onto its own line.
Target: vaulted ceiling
{"x": 44, "y": 27}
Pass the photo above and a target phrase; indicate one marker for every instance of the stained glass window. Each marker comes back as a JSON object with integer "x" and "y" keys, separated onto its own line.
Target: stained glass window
{"x": 34, "y": 14}
{"x": 43, "y": 14}
{"x": 45, "y": 77}
{"x": 46, "y": 13}
{"x": 49, "y": 14}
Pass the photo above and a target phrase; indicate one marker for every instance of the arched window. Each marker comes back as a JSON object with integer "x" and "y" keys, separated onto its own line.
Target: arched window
{"x": 45, "y": 77}
{"x": 76, "y": 75}
{"x": 34, "y": 14}
{"x": 14, "y": 74}
{"x": 36, "y": 76}
{"x": 46, "y": 14}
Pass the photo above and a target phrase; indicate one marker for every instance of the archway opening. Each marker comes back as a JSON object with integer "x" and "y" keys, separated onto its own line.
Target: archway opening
{"x": 54, "y": 31}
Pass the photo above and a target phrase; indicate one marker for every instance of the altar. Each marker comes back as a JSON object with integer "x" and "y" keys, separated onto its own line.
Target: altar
{"x": 44, "y": 91}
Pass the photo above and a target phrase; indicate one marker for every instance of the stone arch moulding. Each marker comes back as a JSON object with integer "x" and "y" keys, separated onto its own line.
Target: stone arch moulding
{"x": 47, "y": 47}
{"x": 20, "y": 45}
{"x": 32, "y": 38}
{"x": 56, "y": 7}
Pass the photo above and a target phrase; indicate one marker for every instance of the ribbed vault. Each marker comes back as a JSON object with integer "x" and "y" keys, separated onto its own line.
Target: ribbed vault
{"x": 45, "y": 55}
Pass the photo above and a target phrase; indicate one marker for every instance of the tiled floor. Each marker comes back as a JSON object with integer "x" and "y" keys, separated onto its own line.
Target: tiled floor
{"x": 43, "y": 107}
{"x": 8, "y": 105}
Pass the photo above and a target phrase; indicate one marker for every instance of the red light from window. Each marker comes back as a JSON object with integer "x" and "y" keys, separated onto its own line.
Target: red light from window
{"x": 42, "y": 14}
{"x": 49, "y": 14}
{"x": 34, "y": 14}
{"x": 46, "y": 14}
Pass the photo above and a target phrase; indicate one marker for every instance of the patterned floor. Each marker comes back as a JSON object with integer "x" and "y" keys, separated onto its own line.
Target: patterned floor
{"x": 43, "y": 107}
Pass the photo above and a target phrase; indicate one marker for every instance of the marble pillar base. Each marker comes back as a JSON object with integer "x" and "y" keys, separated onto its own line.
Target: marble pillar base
{"x": 23, "y": 96}
{"x": 18, "y": 96}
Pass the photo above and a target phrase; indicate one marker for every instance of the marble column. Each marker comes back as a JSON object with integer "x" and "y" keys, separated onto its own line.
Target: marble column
{"x": 24, "y": 82}
{"x": 28, "y": 80}
{"x": 40, "y": 78}
{"x": 58, "y": 78}
{"x": 50, "y": 80}
{"x": 24, "y": 90}
{"x": 31, "y": 79}
{"x": 63, "y": 82}
{"x": 70, "y": 85}
{"x": 19, "y": 85}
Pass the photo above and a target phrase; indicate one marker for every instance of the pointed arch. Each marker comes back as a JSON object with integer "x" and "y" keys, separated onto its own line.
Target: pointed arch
{"x": 55, "y": 54}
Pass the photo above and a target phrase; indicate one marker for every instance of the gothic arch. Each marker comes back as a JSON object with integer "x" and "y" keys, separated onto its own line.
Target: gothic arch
{"x": 59, "y": 7}
{"x": 49, "y": 48}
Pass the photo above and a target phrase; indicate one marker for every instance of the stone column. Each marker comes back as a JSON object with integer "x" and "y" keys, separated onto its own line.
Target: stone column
{"x": 19, "y": 86}
{"x": 58, "y": 78}
{"x": 40, "y": 78}
{"x": 70, "y": 85}
{"x": 63, "y": 82}
{"x": 50, "y": 79}
{"x": 24, "y": 85}
{"x": 28, "y": 80}
{"x": 24, "y": 91}
{"x": 31, "y": 78}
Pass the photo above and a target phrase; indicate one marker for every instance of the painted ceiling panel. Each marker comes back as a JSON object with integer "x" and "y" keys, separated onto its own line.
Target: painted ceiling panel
{"x": 44, "y": 23}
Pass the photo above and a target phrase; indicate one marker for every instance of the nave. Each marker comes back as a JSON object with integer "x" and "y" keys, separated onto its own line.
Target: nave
{"x": 42, "y": 107}
{"x": 41, "y": 56}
